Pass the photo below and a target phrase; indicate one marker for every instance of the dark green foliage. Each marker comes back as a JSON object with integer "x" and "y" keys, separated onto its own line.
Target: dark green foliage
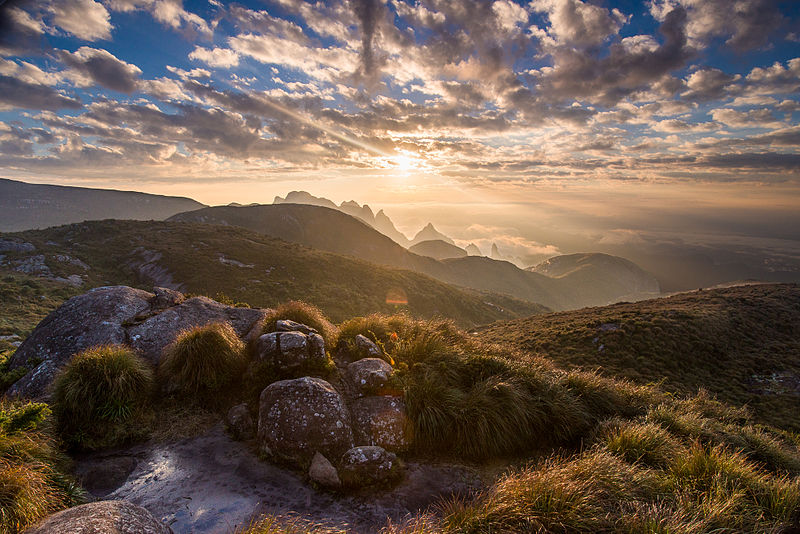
{"x": 101, "y": 397}
{"x": 303, "y": 313}
{"x": 202, "y": 362}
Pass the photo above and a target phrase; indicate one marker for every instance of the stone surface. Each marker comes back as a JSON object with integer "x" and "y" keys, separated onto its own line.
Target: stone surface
{"x": 104, "y": 517}
{"x": 290, "y": 350}
{"x": 286, "y": 325}
{"x": 240, "y": 423}
{"x": 153, "y": 335}
{"x": 94, "y": 318}
{"x": 367, "y": 466}
{"x": 369, "y": 375}
{"x": 323, "y": 473}
{"x": 300, "y": 417}
{"x": 165, "y": 298}
{"x": 367, "y": 346}
{"x": 103, "y": 474}
{"x": 382, "y": 421}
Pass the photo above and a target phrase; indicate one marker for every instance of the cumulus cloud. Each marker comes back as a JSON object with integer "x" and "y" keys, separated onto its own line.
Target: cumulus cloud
{"x": 222, "y": 58}
{"x": 576, "y": 23}
{"x": 16, "y": 93}
{"x": 97, "y": 66}
{"x": 85, "y": 19}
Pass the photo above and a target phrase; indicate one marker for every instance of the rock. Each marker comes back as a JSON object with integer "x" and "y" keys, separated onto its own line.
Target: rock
{"x": 285, "y": 325}
{"x": 94, "y": 318}
{"x": 367, "y": 346}
{"x": 154, "y": 334}
{"x": 165, "y": 298}
{"x": 369, "y": 375}
{"x": 289, "y": 351}
{"x": 11, "y": 245}
{"x": 299, "y": 417}
{"x": 104, "y": 517}
{"x": 368, "y": 466}
{"x": 382, "y": 421}
{"x": 323, "y": 473}
{"x": 240, "y": 423}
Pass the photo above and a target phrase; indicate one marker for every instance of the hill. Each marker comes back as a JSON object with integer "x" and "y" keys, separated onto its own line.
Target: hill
{"x": 741, "y": 344}
{"x": 596, "y": 266}
{"x": 438, "y": 249}
{"x": 241, "y": 266}
{"x": 331, "y": 230}
{"x": 26, "y": 206}
{"x": 429, "y": 233}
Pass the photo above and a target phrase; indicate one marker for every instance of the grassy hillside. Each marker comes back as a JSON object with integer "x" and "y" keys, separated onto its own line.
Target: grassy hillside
{"x": 741, "y": 343}
{"x": 24, "y": 206}
{"x": 248, "y": 267}
{"x": 328, "y": 229}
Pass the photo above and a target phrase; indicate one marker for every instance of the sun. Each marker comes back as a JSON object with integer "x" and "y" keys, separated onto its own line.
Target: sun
{"x": 405, "y": 163}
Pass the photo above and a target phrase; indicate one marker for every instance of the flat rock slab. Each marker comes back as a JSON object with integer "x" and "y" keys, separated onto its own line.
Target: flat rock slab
{"x": 212, "y": 484}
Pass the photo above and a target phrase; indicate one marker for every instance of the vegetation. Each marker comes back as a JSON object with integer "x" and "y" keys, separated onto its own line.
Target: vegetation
{"x": 742, "y": 344}
{"x": 303, "y": 313}
{"x": 203, "y": 362}
{"x": 32, "y": 479}
{"x": 101, "y": 398}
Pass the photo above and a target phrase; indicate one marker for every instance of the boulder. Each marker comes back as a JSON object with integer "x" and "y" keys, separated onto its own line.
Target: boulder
{"x": 382, "y": 421}
{"x": 165, "y": 298}
{"x": 154, "y": 334}
{"x": 285, "y": 325}
{"x": 104, "y": 517}
{"x": 369, "y": 375}
{"x": 323, "y": 473}
{"x": 368, "y": 466}
{"x": 300, "y": 417}
{"x": 240, "y": 423}
{"x": 289, "y": 351}
{"x": 97, "y": 317}
{"x": 366, "y": 346}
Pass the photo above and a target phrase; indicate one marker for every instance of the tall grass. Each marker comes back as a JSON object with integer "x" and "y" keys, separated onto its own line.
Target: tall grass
{"x": 303, "y": 313}
{"x": 101, "y": 396}
{"x": 202, "y": 362}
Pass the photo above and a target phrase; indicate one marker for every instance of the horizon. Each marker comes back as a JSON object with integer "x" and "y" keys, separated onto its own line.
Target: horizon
{"x": 554, "y": 126}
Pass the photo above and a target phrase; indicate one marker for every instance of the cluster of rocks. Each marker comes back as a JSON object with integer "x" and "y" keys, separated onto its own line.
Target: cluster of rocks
{"x": 347, "y": 437}
{"x": 346, "y": 430}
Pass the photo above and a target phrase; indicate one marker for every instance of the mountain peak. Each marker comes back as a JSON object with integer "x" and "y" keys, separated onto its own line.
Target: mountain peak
{"x": 429, "y": 233}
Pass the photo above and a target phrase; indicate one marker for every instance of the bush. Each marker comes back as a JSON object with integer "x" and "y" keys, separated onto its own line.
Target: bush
{"x": 303, "y": 313}
{"x": 101, "y": 397}
{"x": 202, "y": 362}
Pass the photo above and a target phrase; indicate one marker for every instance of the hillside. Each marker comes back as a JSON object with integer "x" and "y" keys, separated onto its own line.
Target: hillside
{"x": 614, "y": 270}
{"x": 244, "y": 267}
{"x": 26, "y": 206}
{"x": 438, "y": 249}
{"x": 741, "y": 344}
{"x": 327, "y": 229}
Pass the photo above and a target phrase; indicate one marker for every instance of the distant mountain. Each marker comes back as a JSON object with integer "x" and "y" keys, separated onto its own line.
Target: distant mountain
{"x": 596, "y": 266}
{"x": 334, "y": 231}
{"x": 239, "y": 264}
{"x": 495, "y": 253}
{"x": 473, "y": 250}
{"x": 384, "y": 225}
{"x": 441, "y": 250}
{"x": 25, "y": 206}
{"x": 303, "y": 197}
{"x": 429, "y": 233}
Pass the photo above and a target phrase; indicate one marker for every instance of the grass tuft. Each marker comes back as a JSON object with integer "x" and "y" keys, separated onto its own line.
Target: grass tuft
{"x": 101, "y": 397}
{"x": 202, "y": 362}
{"x": 303, "y": 313}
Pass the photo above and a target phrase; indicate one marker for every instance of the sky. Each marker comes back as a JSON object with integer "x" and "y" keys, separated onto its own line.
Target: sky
{"x": 546, "y": 125}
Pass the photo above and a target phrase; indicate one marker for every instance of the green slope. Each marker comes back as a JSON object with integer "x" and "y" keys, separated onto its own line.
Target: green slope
{"x": 740, "y": 343}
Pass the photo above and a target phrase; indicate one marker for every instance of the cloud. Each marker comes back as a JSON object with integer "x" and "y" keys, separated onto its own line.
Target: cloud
{"x": 708, "y": 84}
{"x": 575, "y": 23}
{"x": 102, "y": 68}
{"x": 85, "y": 19}
{"x": 170, "y": 13}
{"x": 223, "y": 58}
{"x": 16, "y": 93}
{"x": 756, "y": 118}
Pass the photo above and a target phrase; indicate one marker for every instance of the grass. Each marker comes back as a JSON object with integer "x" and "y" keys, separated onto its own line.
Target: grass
{"x": 742, "y": 344}
{"x": 101, "y": 397}
{"x": 288, "y": 524}
{"x": 303, "y": 313}
{"x": 203, "y": 362}
{"x": 32, "y": 479}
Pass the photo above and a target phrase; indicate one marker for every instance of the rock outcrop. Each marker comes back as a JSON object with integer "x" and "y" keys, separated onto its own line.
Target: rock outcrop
{"x": 369, "y": 375}
{"x": 368, "y": 466}
{"x": 288, "y": 351}
{"x": 300, "y": 417}
{"x": 381, "y": 421}
{"x": 148, "y": 322}
{"x": 104, "y": 517}
{"x": 240, "y": 423}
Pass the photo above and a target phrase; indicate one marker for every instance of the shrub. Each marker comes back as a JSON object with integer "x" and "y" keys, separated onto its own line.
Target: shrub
{"x": 304, "y": 313}
{"x": 101, "y": 396}
{"x": 202, "y": 362}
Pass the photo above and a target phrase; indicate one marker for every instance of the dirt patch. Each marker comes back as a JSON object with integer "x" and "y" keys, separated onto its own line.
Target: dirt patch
{"x": 212, "y": 484}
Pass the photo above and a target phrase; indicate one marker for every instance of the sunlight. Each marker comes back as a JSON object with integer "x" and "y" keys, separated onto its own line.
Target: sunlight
{"x": 405, "y": 162}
